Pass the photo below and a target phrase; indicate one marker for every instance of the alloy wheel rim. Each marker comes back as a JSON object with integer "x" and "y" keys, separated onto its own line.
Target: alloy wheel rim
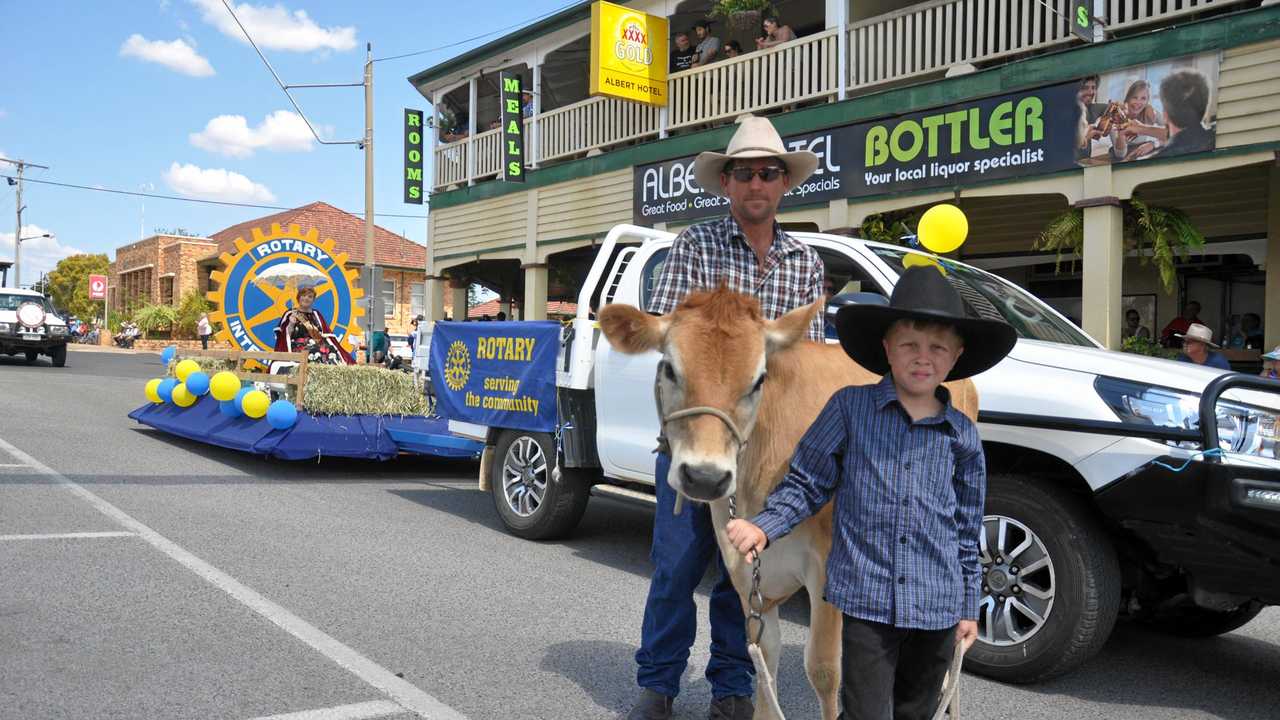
{"x": 524, "y": 476}
{"x": 1018, "y": 582}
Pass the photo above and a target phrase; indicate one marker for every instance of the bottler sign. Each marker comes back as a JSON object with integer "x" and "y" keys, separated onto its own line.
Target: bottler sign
{"x": 628, "y": 54}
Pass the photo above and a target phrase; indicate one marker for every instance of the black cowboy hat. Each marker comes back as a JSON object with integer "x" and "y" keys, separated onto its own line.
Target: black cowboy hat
{"x": 922, "y": 293}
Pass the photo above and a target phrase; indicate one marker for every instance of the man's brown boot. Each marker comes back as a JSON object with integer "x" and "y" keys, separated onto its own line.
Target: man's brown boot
{"x": 732, "y": 708}
{"x": 652, "y": 705}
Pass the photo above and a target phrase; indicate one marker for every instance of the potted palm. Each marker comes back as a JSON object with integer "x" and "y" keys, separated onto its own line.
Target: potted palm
{"x": 742, "y": 15}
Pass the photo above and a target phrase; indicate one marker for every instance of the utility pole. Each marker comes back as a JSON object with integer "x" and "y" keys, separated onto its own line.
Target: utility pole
{"x": 369, "y": 260}
{"x": 17, "y": 230}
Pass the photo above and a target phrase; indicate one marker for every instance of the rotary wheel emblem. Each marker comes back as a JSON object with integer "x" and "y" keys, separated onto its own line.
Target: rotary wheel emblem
{"x": 249, "y": 313}
{"x": 457, "y": 366}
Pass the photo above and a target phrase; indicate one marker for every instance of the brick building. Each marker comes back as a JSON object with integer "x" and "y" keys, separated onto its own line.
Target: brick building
{"x": 163, "y": 268}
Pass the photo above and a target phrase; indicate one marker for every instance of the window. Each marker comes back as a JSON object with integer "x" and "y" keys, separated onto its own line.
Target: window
{"x": 652, "y": 271}
{"x": 389, "y": 297}
{"x": 416, "y": 303}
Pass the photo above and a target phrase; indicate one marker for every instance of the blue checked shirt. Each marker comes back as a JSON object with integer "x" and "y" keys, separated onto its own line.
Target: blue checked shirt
{"x": 714, "y": 252}
{"x": 908, "y": 507}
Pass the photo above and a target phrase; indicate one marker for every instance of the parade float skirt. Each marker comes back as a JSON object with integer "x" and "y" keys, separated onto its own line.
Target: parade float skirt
{"x": 374, "y": 437}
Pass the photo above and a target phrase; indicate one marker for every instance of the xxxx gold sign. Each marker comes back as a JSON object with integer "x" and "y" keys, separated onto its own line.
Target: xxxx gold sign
{"x": 628, "y": 54}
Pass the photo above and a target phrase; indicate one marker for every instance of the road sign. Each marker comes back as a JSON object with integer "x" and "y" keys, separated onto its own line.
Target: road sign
{"x": 97, "y": 287}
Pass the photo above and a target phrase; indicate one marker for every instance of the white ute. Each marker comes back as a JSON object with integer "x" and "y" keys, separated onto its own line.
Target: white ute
{"x": 29, "y": 327}
{"x": 1099, "y": 499}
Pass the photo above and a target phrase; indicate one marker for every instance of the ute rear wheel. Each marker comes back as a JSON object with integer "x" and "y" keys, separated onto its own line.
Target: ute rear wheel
{"x": 1051, "y": 582}
{"x": 531, "y": 503}
{"x": 59, "y": 356}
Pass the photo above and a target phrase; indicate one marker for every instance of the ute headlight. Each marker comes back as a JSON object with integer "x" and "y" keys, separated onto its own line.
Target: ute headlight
{"x": 1243, "y": 429}
{"x": 6, "y": 327}
{"x": 57, "y": 329}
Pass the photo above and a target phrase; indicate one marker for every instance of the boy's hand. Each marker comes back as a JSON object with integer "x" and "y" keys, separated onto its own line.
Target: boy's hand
{"x": 746, "y": 537}
{"x": 967, "y": 633}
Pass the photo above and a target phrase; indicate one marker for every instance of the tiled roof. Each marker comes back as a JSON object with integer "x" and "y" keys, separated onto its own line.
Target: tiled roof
{"x": 493, "y": 307}
{"x": 346, "y": 231}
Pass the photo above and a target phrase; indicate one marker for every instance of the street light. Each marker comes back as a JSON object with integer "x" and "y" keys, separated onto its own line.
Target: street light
{"x": 17, "y": 254}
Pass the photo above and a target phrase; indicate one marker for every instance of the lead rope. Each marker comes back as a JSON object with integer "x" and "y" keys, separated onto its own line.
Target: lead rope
{"x": 755, "y": 604}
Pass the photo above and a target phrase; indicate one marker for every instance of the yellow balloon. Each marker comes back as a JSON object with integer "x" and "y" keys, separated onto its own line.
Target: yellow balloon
{"x": 185, "y": 368}
{"x": 255, "y": 404}
{"x": 911, "y": 260}
{"x": 224, "y": 385}
{"x": 152, "y": 391}
{"x": 182, "y": 397}
{"x": 943, "y": 228}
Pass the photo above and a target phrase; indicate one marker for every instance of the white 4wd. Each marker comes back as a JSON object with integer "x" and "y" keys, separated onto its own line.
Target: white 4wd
{"x": 28, "y": 326}
{"x": 1099, "y": 498}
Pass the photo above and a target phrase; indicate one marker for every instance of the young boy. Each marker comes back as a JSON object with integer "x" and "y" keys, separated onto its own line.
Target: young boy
{"x": 908, "y": 476}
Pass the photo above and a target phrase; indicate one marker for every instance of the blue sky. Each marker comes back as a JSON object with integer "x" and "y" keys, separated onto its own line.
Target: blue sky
{"x": 165, "y": 96}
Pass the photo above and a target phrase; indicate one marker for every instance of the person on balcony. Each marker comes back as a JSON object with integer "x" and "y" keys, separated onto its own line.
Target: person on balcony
{"x": 775, "y": 33}
{"x": 1185, "y": 96}
{"x": 708, "y": 44}
{"x": 683, "y": 56}
{"x": 732, "y": 50}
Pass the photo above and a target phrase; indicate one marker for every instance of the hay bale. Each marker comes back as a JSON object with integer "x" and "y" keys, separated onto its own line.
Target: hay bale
{"x": 362, "y": 390}
{"x": 207, "y": 365}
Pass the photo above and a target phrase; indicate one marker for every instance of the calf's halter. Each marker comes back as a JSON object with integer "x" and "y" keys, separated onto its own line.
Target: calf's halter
{"x": 663, "y": 419}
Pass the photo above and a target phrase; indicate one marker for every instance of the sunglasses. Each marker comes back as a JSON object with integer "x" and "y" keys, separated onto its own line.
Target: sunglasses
{"x": 767, "y": 174}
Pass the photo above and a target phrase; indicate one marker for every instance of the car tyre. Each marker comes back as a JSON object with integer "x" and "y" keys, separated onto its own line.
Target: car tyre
{"x": 531, "y": 503}
{"x": 1085, "y": 584}
{"x": 59, "y": 356}
{"x": 1198, "y": 622}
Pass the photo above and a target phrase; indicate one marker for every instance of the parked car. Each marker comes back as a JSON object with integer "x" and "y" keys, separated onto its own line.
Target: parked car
{"x": 1117, "y": 483}
{"x": 30, "y": 327}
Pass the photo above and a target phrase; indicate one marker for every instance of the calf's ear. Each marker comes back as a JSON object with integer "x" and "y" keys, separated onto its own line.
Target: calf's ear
{"x": 791, "y": 328}
{"x": 631, "y": 330}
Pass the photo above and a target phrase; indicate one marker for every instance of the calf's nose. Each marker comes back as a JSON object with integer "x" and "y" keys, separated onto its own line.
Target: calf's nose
{"x": 704, "y": 481}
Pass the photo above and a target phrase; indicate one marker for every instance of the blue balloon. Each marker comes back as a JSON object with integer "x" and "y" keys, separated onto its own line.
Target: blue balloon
{"x": 240, "y": 397}
{"x": 282, "y": 415}
{"x": 165, "y": 391}
{"x": 198, "y": 383}
{"x": 229, "y": 408}
{"x": 166, "y": 356}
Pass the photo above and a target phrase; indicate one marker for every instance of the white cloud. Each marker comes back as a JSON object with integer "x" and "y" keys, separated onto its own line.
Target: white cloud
{"x": 175, "y": 54}
{"x": 39, "y": 254}
{"x": 281, "y": 131}
{"x": 215, "y": 184}
{"x": 275, "y": 27}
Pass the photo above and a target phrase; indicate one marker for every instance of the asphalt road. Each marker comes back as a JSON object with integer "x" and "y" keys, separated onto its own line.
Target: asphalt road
{"x": 233, "y": 587}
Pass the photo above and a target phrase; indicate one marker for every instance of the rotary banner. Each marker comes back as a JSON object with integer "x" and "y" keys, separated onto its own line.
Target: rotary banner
{"x": 498, "y": 374}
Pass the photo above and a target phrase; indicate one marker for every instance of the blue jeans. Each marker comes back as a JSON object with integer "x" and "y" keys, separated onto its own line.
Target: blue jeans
{"x": 683, "y": 545}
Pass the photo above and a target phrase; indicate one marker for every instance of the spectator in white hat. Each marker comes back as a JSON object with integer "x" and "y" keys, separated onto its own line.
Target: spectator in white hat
{"x": 1271, "y": 364}
{"x": 1196, "y": 344}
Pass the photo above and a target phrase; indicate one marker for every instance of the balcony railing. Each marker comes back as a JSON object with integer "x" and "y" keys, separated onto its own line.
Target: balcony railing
{"x": 921, "y": 40}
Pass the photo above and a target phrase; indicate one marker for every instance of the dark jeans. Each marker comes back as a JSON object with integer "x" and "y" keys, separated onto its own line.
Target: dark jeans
{"x": 890, "y": 672}
{"x": 683, "y": 546}
{"x": 204, "y": 341}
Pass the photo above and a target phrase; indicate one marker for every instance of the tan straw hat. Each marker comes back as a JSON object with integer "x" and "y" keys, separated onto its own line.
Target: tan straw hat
{"x": 1199, "y": 332}
{"x": 755, "y": 138}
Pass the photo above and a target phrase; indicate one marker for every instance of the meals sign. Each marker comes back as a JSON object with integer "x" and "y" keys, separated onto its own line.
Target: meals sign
{"x": 628, "y": 54}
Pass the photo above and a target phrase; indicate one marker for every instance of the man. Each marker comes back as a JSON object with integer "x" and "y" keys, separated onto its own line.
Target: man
{"x": 1179, "y": 325}
{"x": 748, "y": 252}
{"x": 1088, "y": 111}
{"x": 1251, "y": 328}
{"x": 708, "y": 44}
{"x": 1185, "y": 96}
{"x": 775, "y": 33}
{"x": 683, "y": 56}
{"x": 1195, "y": 348}
{"x": 732, "y": 50}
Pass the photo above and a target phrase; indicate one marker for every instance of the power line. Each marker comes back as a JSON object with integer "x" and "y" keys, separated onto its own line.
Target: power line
{"x": 481, "y": 36}
{"x": 190, "y": 200}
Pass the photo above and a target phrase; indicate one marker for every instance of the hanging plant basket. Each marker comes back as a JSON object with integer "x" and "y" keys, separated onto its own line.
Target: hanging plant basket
{"x": 745, "y": 20}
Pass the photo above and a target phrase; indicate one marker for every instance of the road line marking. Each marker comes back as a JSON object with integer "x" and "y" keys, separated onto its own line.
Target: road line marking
{"x": 408, "y": 695}
{"x": 14, "y": 465}
{"x": 68, "y": 536}
{"x": 358, "y": 711}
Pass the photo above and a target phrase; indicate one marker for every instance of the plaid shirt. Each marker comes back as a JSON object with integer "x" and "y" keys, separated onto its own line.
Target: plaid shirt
{"x": 908, "y": 507}
{"x": 715, "y": 252}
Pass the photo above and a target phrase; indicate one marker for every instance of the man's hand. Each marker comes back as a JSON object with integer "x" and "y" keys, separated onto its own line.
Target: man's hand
{"x": 966, "y": 633}
{"x": 746, "y": 537}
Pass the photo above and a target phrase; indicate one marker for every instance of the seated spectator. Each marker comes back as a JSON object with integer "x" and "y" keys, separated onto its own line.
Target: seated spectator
{"x": 1271, "y": 364}
{"x": 708, "y": 44}
{"x": 732, "y": 50}
{"x": 1190, "y": 314}
{"x": 1251, "y": 328}
{"x": 775, "y": 33}
{"x": 684, "y": 54}
{"x": 1133, "y": 326}
{"x": 1195, "y": 348}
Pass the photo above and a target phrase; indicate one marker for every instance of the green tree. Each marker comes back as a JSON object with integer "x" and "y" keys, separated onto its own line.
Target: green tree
{"x": 68, "y": 284}
{"x": 190, "y": 308}
{"x": 156, "y": 317}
